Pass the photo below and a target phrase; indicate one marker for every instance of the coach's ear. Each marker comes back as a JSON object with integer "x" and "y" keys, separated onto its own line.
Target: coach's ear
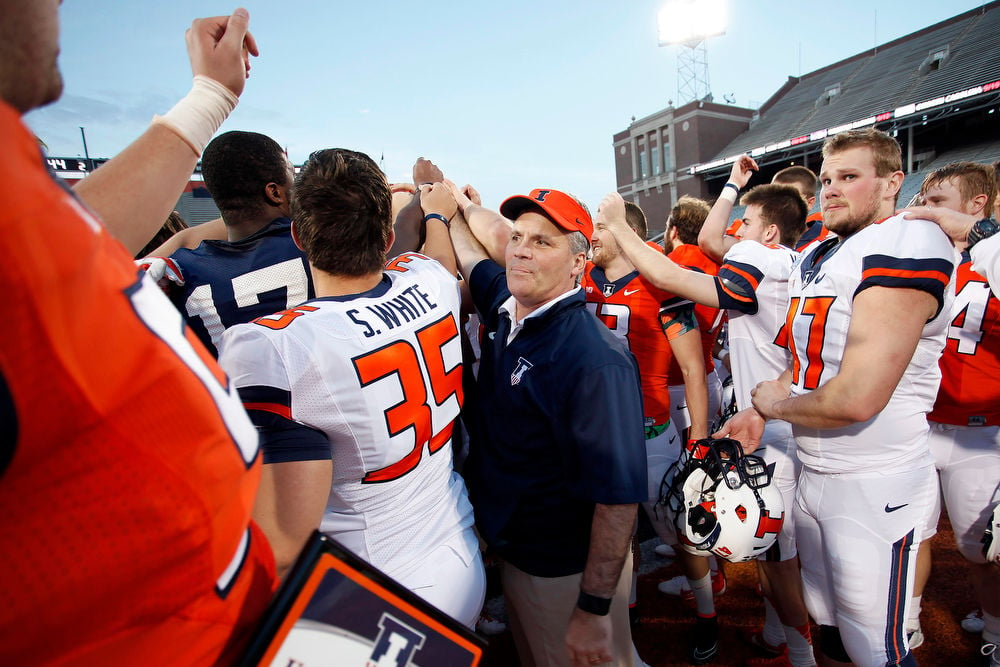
{"x": 295, "y": 238}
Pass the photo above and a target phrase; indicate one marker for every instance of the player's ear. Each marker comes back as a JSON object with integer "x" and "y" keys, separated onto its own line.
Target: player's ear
{"x": 895, "y": 182}
{"x": 978, "y": 204}
{"x": 275, "y": 194}
{"x": 295, "y": 238}
{"x": 392, "y": 238}
{"x": 772, "y": 234}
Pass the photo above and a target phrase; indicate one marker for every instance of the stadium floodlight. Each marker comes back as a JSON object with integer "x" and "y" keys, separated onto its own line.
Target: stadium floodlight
{"x": 688, "y": 22}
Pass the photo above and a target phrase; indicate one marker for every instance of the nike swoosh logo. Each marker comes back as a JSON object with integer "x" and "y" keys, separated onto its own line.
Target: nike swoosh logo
{"x": 630, "y": 292}
{"x": 493, "y": 335}
{"x": 893, "y": 509}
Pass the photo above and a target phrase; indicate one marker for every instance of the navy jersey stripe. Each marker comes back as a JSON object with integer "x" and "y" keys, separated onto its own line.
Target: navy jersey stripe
{"x": 736, "y": 286}
{"x": 929, "y": 275}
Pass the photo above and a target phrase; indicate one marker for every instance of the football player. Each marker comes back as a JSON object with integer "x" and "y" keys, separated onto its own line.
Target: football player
{"x": 656, "y": 326}
{"x": 752, "y": 286}
{"x": 258, "y": 269}
{"x": 857, "y": 399}
{"x": 965, "y": 422}
{"x": 128, "y": 467}
{"x": 370, "y": 374}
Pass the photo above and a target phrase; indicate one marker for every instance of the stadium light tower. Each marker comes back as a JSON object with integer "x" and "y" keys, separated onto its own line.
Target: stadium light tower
{"x": 688, "y": 24}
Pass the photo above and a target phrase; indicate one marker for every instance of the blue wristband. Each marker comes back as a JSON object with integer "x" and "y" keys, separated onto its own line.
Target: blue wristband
{"x": 733, "y": 186}
{"x": 437, "y": 216}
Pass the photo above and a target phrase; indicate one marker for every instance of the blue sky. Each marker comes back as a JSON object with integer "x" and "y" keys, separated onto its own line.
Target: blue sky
{"x": 507, "y": 96}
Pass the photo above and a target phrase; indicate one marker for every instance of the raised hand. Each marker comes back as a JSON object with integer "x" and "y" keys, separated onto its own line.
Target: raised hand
{"x": 220, "y": 48}
{"x": 742, "y": 170}
{"x": 437, "y": 198}
{"x": 425, "y": 171}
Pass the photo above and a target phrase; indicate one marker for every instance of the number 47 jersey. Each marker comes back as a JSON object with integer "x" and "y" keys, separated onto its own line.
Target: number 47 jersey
{"x": 895, "y": 253}
{"x": 379, "y": 375}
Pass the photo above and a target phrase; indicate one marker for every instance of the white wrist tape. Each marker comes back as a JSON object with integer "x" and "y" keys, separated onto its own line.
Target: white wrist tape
{"x": 729, "y": 195}
{"x": 197, "y": 116}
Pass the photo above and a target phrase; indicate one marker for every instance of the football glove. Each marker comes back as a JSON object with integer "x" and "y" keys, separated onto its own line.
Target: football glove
{"x": 163, "y": 270}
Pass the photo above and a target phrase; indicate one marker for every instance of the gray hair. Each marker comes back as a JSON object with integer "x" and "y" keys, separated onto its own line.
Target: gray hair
{"x": 579, "y": 243}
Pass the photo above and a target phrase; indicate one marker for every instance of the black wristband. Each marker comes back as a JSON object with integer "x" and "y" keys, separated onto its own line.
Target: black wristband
{"x": 732, "y": 185}
{"x": 437, "y": 216}
{"x": 983, "y": 229}
{"x": 593, "y": 604}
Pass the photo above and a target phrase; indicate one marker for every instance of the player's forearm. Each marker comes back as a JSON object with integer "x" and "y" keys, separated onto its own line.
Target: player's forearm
{"x": 290, "y": 504}
{"x": 712, "y": 238}
{"x": 468, "y": 250}
{"x": 192, "y": 237}
{"x": 663, "y": 272}
{"x": 696, "y": 395}
{"x": 491, "y": 230}
{"x": 438, "y": 245}
{"x": 823, "y": 409}
{"x": 610, "y": 537}
{"x": 135, "y": 191}
{"x": 846, "y": 399}
{"x": 408, "y": 228}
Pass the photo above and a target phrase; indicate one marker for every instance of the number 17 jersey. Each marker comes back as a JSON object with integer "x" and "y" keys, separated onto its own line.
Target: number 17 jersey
{"x": 379, "y": 374}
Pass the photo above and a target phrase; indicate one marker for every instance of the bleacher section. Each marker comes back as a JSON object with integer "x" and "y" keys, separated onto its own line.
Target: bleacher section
{"x": 892, "y": 75}
{"x": 986, "y": 153}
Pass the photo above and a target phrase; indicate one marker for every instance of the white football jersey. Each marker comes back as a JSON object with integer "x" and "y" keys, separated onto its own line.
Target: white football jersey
{"x": 380, "y": 374}
{"x": 895, "y": 252}
{"x": 754, "y": 324}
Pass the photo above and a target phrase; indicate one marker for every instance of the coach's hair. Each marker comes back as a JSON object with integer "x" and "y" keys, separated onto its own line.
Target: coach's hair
{"x": 237, "y": 166}
{"x": 342, "y": 210}
{"x": 687, "y": 217}
{"x": 885, "y": 150}
{"x": 780, "y": 205}
{"x": 636, "y": 219}
{"x": 801, "y": 177}
{"x": 971, "y": 179}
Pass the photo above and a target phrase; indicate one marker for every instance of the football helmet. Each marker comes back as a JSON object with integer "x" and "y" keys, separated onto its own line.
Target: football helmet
{"x": 722, "y": 500}
{"x": 727, "y": 405}
{"x": 991, "y": 537}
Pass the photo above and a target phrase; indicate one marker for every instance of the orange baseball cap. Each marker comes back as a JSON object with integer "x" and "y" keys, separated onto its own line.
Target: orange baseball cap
{"x": 563, "y": 209}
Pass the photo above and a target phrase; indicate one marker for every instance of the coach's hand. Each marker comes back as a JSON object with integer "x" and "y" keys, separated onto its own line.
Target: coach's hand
{"x": 588, "y": 639}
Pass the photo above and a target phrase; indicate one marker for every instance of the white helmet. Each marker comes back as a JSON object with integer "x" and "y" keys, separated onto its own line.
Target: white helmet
{"x": 991, "y": 537}
{"x": 725, "y": 502}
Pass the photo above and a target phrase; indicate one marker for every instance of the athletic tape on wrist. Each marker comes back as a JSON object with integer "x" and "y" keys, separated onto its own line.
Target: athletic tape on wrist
{"x": 200, "y": 113}
{"x": 729, "y": 194}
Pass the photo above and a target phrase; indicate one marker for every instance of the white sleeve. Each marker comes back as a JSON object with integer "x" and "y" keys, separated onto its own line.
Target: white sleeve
{"x": 250, "y": 359}
{"x": 986, "y": 261}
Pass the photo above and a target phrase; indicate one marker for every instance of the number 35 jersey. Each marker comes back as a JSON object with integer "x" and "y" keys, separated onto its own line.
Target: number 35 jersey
{"x": 379, "y": 374}
{"x": 895, "y": 253}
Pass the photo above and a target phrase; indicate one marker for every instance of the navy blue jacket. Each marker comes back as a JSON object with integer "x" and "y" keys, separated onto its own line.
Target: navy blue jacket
{"x": 562, "y": 430}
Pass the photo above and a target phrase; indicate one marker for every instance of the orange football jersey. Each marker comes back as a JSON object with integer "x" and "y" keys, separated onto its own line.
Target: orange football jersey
{"x": 709, "y": 319}
{"x": 970, "y": 364}
{"x": 630, "y": 307}
{"x": 127, "y": 475}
